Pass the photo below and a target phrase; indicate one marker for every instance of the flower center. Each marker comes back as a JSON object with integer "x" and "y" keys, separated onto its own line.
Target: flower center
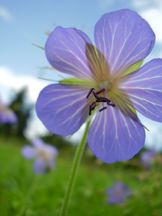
{"x": 97, "y": 98}
{"x": 46, "y": 155}
{"x": 118, "y": 193}
{"x": 107, "y": 85}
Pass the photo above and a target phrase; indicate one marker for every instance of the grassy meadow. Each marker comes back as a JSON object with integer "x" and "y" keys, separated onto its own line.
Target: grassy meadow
{"x": 22, "y": 193}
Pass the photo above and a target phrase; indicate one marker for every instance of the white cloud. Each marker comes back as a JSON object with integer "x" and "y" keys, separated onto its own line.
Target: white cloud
{"x": 151, "y": 11}
{"x": 143, "y": 4}
{"x": 154, "y": 18}
{"x": 5, "y": 14}
{"x": 76, "y": 137}
{"x": 10, "y": 82}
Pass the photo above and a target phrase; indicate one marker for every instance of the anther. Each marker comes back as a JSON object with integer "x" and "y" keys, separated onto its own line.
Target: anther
{"x": 103, "y": 108}
{"x": 103, "y": 99}
{"x": 89, "y": 93}
{"x": 99, "y": 99}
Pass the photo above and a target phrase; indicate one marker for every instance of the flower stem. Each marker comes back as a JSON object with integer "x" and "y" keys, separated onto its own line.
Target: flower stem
{"x": 74, "y": 171}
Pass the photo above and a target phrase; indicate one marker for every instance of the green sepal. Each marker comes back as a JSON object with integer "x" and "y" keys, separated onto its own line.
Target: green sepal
{"x": 77, "y": 82}
{"x": 133, "y": 67}
{"x": 38, "y": 46}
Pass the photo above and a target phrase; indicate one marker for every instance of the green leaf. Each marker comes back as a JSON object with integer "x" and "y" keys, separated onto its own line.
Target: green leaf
{"x": 133, "y": 67}
{"x": 77, "y": 82}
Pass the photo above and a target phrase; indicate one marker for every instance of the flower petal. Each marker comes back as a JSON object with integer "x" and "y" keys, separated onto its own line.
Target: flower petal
{"x": 28, "y": 152}
{"x": 51, "y": 163}
{"x": 66, "y": 52}
{"x": 114, "y": 137}
{"x": 62, "y": 109}
{"x": 144, "y": 88}
{"x": 40, "y": 166}
{"x": 52, "y": 150}
{"x": 118, "y": 193}
{"x": 124, "y": 38}
{"x": 7, "y": 117}
{"x": 38, "y": 143}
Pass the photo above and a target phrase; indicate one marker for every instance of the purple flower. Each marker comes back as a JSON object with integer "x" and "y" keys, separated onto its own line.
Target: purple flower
{"x": 6, "y": 115}
{"x": 118, "y": 193}
{"x": 147, "y": 158}
{"x": 109, "y": 84}
{"x": 43, "y": 154}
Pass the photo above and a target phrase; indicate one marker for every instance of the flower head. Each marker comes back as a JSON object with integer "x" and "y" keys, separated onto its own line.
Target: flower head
{"x": 7, "y": 116}
{"x": 118, "y": 193}
{"x": 147, "y": 158}
{"x": 43, "y": 154}
{"x": 109, "y": 84}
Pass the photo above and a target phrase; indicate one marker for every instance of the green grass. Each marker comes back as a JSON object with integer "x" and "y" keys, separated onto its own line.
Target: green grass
{"x": 22, "y": 193}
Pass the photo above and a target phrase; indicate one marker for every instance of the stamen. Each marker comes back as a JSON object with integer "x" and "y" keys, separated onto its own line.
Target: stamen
{"x": 111, "y": 104}
{"x": 99, "y": 99}
{"x": 95, "y": 95}
{"x": 92, "y": 107}
{"x": 103, "y": 108}
{"x": 90, "y": 92}
{"x": 100, "y": 91}
{"x": 103, "y": 99}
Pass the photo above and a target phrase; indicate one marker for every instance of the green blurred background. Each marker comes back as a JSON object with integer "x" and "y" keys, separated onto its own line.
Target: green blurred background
{"x": 22, "y": 192}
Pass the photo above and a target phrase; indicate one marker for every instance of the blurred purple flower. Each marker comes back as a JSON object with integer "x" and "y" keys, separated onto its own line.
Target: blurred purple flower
{"x": 43, "y": 154}
{"x": 108, "y": 83}
{"x": 147, "y": 158}
{"x": 7, "y": 116}
{"x": 118, "y": 193}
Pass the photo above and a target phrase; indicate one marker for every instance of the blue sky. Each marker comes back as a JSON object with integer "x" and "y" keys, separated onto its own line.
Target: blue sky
{"x": 23, "y": 23}
{"x": 31, "y": 19}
